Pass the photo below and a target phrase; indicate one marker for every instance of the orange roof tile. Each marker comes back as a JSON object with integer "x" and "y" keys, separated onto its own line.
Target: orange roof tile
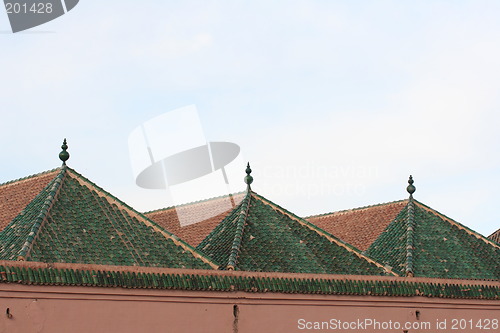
{"x": 359, "y": 227}
{"x": 15, "y": 195}
{"x": 194, "y": 233}
{"x": 495, "y": 236}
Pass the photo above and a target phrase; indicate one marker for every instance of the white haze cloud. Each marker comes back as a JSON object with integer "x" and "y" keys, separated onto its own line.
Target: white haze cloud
{"x": 334, "y": 104}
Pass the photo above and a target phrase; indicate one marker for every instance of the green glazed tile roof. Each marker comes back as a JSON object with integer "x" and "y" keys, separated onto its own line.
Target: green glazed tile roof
{"x": 424, "y": 243}
{"x": 72, "y": 220}
{"x": 105, "y": 276}
{"x": 261, "y": 236}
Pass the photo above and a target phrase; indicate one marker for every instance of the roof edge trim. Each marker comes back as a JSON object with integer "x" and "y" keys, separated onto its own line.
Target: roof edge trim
{"x": 32, "y": 273}
{"x": 458, "y": 225}
{"x": 187, "y": 204}
{"x": 352, "y": 210}
{"x": 43, "y": 173}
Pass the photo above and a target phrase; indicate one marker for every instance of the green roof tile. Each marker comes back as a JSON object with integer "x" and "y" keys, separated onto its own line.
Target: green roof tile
{"x": 435, "y": 246}
{"x": 72, "y": 220}
{"x": 260, "y": 236}
{"x": 18, "y": 236}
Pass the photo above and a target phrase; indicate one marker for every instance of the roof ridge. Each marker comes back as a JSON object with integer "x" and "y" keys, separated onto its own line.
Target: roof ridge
{"x": 324, "y": 233}
{"x": 240, "y": 228}
{"x": 42, "y": 216}
{"x": 194, "y": 202}
{"x": 231, "y": 217}
{"x": 10, "y": 182}
{"x": 355, "y": 209}
{"x": 143, "y": 218}
{"x": 410, "y": 223}
{"x": 458, "y": 225}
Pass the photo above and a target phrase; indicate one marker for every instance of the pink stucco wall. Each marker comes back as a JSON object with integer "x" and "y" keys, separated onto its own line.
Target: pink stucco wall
{"x": 90, "y": 309}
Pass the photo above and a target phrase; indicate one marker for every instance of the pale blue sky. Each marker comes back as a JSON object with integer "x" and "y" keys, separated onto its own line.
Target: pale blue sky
{"x": 333, "y": 103}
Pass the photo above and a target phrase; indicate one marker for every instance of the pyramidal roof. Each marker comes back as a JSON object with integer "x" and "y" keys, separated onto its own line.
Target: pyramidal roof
{"x": 258, "y": 235}
{"x": 424, "y": 243}
{"x": 72, "y": 220}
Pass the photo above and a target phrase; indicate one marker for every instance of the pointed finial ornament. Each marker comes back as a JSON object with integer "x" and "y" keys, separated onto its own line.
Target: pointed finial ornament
{"x": 248, "y": 178}
{"x": 411, "y": 189}
{"x": 64, "y": 155}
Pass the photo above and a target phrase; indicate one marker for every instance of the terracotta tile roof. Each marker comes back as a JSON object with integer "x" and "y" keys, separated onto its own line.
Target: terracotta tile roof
{"x": 73, "y": 220}
{"x": 15, "y": 195}
{"x": 194, "y": 233}
{"x": 361, "y": 226}
{"x": 423, "y": 242}
{"x": 261, "y": 236}
{"x": 223, "y": 281}
{"x": 495, "y": 236}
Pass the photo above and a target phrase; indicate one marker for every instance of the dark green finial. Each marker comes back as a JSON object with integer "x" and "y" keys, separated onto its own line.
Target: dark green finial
{"x": 411, "y": 189}
{"x": 64, "y": 155}
{"x": 248, "y": 178}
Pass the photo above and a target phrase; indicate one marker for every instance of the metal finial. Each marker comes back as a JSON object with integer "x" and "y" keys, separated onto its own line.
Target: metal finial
{"x": 64, "y": 155}
{"x": 411, "y": 189}
{"x": 248, "y": 178}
